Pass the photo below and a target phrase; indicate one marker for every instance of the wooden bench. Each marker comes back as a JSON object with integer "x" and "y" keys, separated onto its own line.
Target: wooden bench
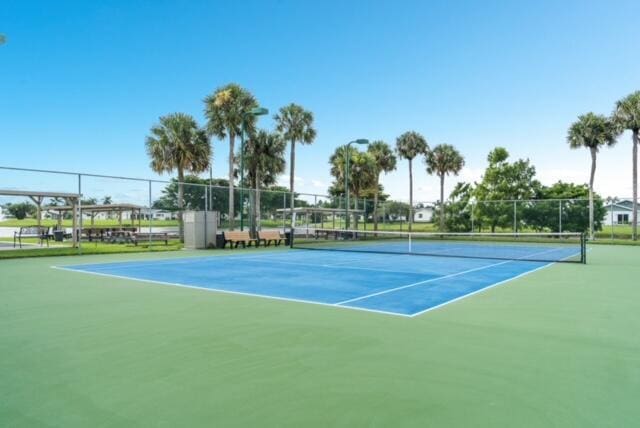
{"x": 269, "y": 236}
{"x": 156, "y": 236}
{"x": 234, "y": 237}
{"x": 40, "y": 232}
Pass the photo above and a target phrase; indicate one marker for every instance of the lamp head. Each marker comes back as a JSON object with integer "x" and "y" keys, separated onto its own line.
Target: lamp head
{"x": 258, "y": 111}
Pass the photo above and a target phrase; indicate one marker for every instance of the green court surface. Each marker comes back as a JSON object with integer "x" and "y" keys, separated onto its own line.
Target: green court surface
{"x": 558, "y": 347}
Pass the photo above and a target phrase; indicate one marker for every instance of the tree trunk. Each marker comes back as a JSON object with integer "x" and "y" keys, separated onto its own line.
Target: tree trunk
{"x": 375, "y": 204}
{"x": 292, "y": 174}
{"x": 232, "y": 138}
{"x": 591, "y": 179}
{"x": 442, "y": 203}
{"x": 180, "y": 203}
{"x": 634, "y": 226}
{"x": 410, "y": 195}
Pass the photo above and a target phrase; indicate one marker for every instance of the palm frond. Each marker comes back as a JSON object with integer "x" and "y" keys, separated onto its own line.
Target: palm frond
{"x": 411, "y": 144}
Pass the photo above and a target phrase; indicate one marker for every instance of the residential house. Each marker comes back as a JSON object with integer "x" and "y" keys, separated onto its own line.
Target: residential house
{"x": 423, "y": 214}
{"x": 618, "y": 213}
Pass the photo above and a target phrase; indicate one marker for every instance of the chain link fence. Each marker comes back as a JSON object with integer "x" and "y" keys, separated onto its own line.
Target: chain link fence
{"x": 135, "y": 211}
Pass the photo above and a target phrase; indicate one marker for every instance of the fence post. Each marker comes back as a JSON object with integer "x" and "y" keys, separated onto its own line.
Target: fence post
{"x": 150, "y": 216}
{"x": 384, "y": 217}
{"x": 292, "y": 203}
{"x": 515, "y": 220}
{"x": 560, "y": 216}
{"x": 206, "y": 209}
{"x": 78, "y": 233}
{"x": 364, "y": 210}
{"x": 472, "y": 225}
{"x": 284, "y": 212}
{"x": 611, "y": 209}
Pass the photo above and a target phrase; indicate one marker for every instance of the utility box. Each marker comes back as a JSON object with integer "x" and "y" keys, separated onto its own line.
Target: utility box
{"x": 200, "y": 229}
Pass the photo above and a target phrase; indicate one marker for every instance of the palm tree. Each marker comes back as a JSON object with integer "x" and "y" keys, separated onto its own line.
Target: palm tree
{"x": 591, "y": 131}
{"x": 409, "y": 145}
{"x": 264, "y": 160}
{"x": 385, "y": 161}
{"x": 626, "y": 116}
{"x": 296, "y": 125}
{"x": 443, "y": 160}
{"x": 363, "y": 172}
{"x": 178, "y": 143}
{"x": 226, "y": 109}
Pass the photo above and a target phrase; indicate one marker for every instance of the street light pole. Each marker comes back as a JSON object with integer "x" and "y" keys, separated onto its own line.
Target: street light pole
{"x": 346, "y": 177}
{"x": 257, "y": 111}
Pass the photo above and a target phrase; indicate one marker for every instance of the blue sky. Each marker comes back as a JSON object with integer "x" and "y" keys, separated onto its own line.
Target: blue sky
{"x": 82, "y": 82}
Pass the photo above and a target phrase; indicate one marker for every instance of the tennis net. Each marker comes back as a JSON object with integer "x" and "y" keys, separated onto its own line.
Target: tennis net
{"x": 539, "y": 247}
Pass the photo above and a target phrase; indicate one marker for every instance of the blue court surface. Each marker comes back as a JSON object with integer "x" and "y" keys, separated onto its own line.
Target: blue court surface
{"x": 406, "y": 285}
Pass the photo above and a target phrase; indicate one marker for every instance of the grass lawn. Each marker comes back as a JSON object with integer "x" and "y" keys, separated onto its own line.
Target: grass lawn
{"x": 65, "y": 249}
{"x": 558, "y": 347}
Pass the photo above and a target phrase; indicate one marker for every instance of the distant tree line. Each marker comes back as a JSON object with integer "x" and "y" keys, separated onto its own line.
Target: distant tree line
{"x": 490, "y": 203}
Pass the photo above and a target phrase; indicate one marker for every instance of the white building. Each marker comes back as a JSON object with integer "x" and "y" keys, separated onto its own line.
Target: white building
{"x": 618, "y": 213}
{"x": 1, "y": 214}
{"x": 423, "y": 214}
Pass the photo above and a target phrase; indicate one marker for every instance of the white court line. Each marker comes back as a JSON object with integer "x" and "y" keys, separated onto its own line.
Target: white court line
{"x": 335, "y": 266}
{"x": 263, "y": 258}
{"x": 402, "y": 287}
{"x": 298, "y": 251}
{"x": 240, "y": 293}
{"x": 489, "y": 286}
{"x": 338, "y": 305}
{"x": 480, "y": 290}
{"x": 391, "y": 290}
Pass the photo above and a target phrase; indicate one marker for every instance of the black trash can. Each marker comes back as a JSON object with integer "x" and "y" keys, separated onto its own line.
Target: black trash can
{"x": 287, "y": 238}
{"x": 220, "y": 240}
{"x": 58, "y": 235}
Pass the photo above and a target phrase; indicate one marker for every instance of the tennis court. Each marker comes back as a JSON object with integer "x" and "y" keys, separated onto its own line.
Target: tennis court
{"x": 555, "y": 347}
{"x": 398, "y": 274}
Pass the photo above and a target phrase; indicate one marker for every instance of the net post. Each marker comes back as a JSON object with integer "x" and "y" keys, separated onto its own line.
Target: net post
{"x": 290, "y": 237}
{"x": 583, "y": 239}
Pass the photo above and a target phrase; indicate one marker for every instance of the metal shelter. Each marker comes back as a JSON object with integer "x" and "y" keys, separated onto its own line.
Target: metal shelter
{"x": 71, "y": 199}
{"x": 93, "y": 210}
